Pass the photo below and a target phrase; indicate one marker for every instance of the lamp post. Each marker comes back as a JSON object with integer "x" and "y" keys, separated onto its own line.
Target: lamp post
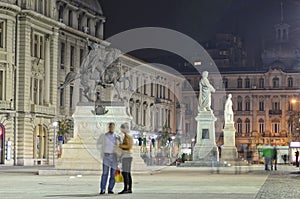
{"x": 55, "y": 124}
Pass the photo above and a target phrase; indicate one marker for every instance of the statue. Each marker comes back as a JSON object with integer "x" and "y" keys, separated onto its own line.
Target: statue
{"x": 228, "y": 112}
{"x": 101, "y": 67}
{"x": 205, "y": 93}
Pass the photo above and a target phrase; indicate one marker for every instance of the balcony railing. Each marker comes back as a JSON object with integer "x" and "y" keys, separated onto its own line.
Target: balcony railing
{"x": 42, "y": 109}
{"x": 275, "y": 112}
{"x": 5, "y": 105}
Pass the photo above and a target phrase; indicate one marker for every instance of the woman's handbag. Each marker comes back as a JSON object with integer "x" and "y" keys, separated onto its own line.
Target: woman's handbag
{"x": 118, "y": 176}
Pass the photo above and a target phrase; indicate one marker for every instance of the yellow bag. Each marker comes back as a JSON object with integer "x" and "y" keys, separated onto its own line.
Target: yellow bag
{"x": 118, "y": 176}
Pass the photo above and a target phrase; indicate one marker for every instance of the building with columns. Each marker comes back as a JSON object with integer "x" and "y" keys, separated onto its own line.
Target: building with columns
{"x": 40, "y": 42}
{"x": 265, "y": 97}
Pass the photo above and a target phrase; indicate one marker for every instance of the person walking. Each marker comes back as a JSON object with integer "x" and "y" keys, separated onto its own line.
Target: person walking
{"x": 297, "y": 158}
{"x": 107, "y": 143}
{"x": 126, "y": 159}
{"x": 275, "y": 158}
{"x": 268, "y": 155}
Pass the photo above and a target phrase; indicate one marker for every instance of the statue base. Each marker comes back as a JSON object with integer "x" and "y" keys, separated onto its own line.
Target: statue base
{"x": 81, "y": 152}
{"x": 205, "y": 152}
{"x": 229, "y": 151}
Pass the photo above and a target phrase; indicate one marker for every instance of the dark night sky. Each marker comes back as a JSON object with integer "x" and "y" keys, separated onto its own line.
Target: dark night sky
{"x": 253, "y": 20}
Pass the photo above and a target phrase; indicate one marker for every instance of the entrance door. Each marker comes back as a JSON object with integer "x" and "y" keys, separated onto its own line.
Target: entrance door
{"x": 2, "y": 144}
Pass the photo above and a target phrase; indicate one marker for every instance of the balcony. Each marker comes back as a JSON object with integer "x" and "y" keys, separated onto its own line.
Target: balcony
{"x": 43, "y": 109}
{"x": 275, "y": 112}
{"x": 5, "y": 105}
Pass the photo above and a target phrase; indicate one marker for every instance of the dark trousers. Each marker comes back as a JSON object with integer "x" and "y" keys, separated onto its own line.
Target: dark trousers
{"x": 126, "y": 172}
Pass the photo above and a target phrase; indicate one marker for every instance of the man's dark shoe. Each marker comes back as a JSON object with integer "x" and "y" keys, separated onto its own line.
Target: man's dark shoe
{"x": 110, "y": 192}
{"x": 102, "y": 192}
{"x": 125, "y": 191}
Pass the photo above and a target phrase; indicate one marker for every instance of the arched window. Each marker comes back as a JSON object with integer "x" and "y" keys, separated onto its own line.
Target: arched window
{"x": 247, "y": 103}
{"x": 239, "y": 126}
{"x": 247, "y": 124}
{"x": 240, "y": 103}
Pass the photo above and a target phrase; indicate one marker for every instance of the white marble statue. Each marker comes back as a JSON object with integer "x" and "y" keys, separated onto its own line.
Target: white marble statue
{"x": 228, "y": 112}
{"x": 205, "y": 93}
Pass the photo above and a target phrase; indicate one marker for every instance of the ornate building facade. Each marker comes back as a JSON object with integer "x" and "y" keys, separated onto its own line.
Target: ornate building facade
{"x": 40, "y": 42}
{"x": 265, "y": 98}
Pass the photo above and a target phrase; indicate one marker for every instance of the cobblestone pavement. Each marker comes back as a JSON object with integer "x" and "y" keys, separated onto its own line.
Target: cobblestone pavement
{"x": 170, "y": 182}
{"x": 281, "y": 184}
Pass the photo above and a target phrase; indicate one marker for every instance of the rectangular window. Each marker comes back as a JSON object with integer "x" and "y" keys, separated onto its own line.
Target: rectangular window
{"x": 276, "y": 106}
{"x": 71, "y": 96}
{"x": 275, "y": 127}
{"x": 137, "y": 115}
{"x": 152, "y": 89}
{"x": 160, "y": 91}
{"x": 2, "y": 83}
{"x": 248, "y": 127}
{"x": 35, "y": 46}
{"x": 81, "y": 56}
{"x": 41, "y": 92}
{"x": 2, "y": 34}
{"x": 247, "y": 108}
{"x": 240, "y": 127}
{"x": 35, "y": 91}
{"x": 261, "y": 128}
{"x": 70, "y": 18}
{"x": 62, "y": 55}
{"x": 145, "y": 87}
{"x": 261, "y": 83}
{"x": 144, "y": 117}
{"x": 261, "y": 106}
{"x": 137, "y": 85}
{"x": 247, "y": 83}
{"x": 239, "y": 83}
{"x": 157, "y": 90}
{"x": 61, "y": 97}
{"x": 72, "y": 50}
{"x": 169, "y": 94}
{"x": 240, "y": 106}
{"x": 41, "y": 49}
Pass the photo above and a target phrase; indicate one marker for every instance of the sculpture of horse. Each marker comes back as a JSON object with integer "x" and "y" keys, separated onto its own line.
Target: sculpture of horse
{"x": 100, "y": 67}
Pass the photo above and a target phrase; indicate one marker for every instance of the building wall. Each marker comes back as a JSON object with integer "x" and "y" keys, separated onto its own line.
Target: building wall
{"x": 31, "y": 70}
{"x": 254, "y": 104}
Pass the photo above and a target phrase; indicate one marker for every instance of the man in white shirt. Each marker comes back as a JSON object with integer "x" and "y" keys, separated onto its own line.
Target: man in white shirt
{"x": 109, "y": 162}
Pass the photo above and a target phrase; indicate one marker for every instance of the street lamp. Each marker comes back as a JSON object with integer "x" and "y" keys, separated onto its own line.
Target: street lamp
{"x": 55, "y": 124}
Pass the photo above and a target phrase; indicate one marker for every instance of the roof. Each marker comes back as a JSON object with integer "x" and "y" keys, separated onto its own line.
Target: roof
{"x": 93, "y": 5}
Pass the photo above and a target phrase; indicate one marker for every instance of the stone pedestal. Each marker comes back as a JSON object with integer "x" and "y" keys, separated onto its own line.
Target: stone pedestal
{"x": 205, "y": 152}
{"x": 81, "y": 152}
{"x": 229, "y": 151}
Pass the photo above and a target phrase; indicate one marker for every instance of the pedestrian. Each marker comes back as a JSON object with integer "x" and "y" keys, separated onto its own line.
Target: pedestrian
{"x": 268, "y": 156}
{"x": 126, "y": 159}
{"x": 297, "y": 156}
{"x": 107, "y": 142}
{"x": 275, "y": 158}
